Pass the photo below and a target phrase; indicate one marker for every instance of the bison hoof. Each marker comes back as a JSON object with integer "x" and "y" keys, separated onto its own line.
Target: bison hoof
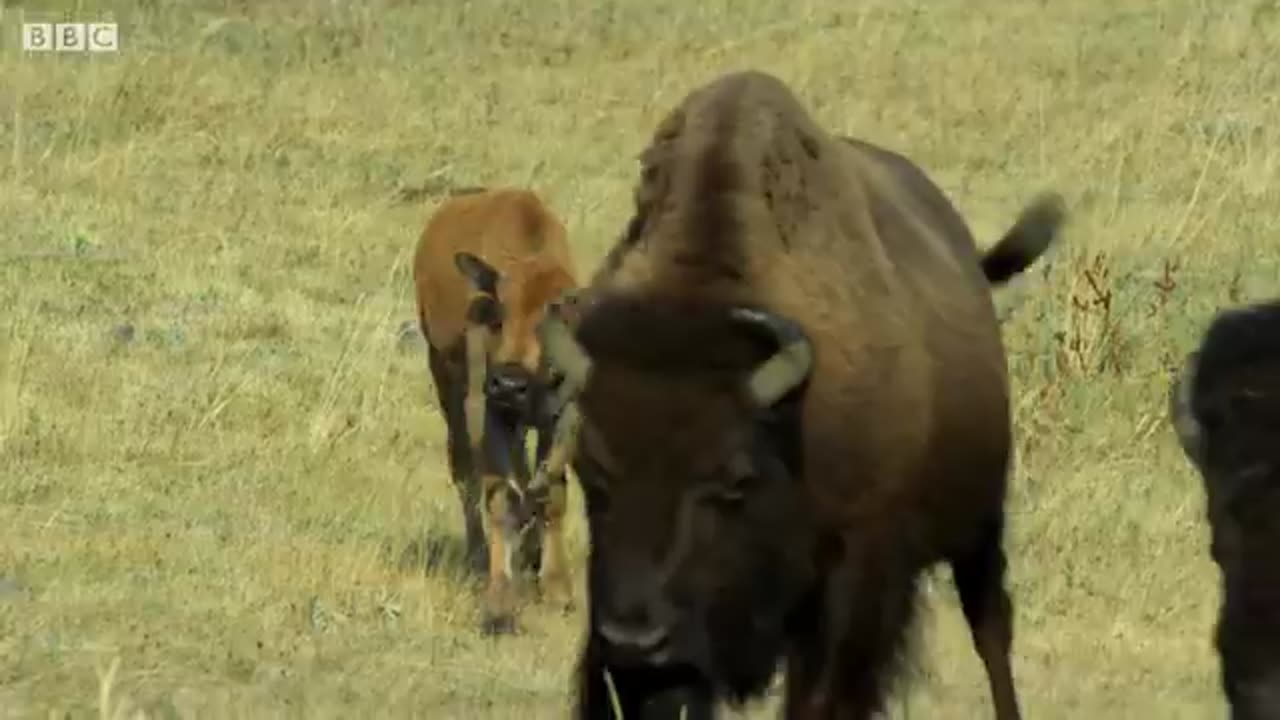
{"x": 497, "y": 624}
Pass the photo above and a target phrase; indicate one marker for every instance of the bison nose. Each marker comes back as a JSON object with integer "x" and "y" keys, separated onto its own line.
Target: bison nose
{"x": 637, "y": 632}
{"x": 638, "y": 638}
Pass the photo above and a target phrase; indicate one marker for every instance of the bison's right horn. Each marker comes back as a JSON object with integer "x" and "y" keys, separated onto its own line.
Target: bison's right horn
{"x": 563, "y": 352}
{"x": 788, "y": 367}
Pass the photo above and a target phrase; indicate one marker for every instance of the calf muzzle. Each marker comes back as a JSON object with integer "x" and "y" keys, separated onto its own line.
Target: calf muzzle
{"x": 509, "y": 387}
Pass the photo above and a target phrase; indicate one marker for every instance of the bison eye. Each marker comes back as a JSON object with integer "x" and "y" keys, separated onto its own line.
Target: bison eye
{"x": 730, "y": 497}
{"x": 596, "y": 497}
{"x": 594, "y": 481}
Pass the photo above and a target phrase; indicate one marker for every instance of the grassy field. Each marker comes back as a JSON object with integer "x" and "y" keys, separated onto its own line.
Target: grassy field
{"x": 220, "y": 457}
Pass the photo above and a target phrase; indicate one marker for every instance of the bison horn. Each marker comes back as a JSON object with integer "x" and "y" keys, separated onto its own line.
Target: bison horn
{"x": 788, "y": 367}
{"x": 563, "y": 352}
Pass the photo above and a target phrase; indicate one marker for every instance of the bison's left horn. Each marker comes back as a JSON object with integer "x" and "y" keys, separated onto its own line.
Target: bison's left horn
{"x": 563, "y": 352}
{"x": 788, "y": 367}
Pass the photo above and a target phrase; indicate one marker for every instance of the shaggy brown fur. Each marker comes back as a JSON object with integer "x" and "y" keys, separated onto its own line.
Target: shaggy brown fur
{"x": 1226, "y": 409}
{"x": 793, "y": 399}
{"x": 488, "y": 263}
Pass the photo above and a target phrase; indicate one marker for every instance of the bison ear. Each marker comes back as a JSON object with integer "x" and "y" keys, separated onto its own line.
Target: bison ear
{"x": 480, "y": 273}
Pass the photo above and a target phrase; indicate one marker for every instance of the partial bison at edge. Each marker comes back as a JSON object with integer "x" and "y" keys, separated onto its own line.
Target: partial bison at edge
{"x": 790, "y": 396}
{"x": 1225, "y": 407}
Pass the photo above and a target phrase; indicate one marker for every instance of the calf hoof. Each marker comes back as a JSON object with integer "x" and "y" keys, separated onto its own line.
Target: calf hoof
{"x": 494, "y": 624}
{"x": 560, "y": 602}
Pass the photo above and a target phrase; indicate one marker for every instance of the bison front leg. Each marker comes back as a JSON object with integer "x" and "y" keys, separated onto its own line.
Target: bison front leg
{"x": 841, "y": 663}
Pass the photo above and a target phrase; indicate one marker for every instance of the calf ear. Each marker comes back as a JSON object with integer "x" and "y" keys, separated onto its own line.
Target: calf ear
{"x": 484, "y": 311}
{"x": 480, "y": 273}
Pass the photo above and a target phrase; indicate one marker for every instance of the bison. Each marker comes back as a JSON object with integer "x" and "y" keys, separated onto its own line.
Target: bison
{"x": 1225, "y": 407}
{"x": 487, "y": 265}
{"x": 790, "y": 397}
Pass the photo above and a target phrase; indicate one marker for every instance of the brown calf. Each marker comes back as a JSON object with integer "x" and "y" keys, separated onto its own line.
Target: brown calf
{"x": 791, "y": 398}
{"x": 487, "y": 265}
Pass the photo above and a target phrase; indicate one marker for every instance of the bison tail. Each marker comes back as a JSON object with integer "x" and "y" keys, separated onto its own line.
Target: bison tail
{"x": 1032, "y": 233}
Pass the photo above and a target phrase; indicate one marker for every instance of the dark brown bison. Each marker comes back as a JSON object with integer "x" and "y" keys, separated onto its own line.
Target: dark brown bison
{"x": 487, "y": 265}
{"x": 791, "y": 398}
{"x": 1225, "y": 407}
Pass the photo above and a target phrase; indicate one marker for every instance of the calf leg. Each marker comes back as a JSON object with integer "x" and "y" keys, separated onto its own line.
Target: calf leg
{"x": 504, "y": 520}
{"x": 529, "y": 556}
{"x": 553, "y": 453}
{"x": 554, "y": 580}
{"x": 979, "y": 578}
{"x": 498, "y": 612}
{"x": 449, "y": 394}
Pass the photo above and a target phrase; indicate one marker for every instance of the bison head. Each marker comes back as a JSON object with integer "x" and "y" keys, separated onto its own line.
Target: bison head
{"x": 1225, "y": 409}
{"x": 688, "y": 453}
{"x": 504, "y": 355}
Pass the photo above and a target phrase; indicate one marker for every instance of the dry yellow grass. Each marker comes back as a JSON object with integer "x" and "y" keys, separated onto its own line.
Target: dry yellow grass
{"x": 214, "y": 518}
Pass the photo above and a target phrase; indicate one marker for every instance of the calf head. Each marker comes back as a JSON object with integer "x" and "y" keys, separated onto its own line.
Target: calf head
{"x": 688, "y": 453}
{"x": 504, "y": 356}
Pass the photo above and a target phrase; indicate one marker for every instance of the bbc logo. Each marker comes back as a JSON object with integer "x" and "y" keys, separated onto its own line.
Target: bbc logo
{"x": 71, "y": 37}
